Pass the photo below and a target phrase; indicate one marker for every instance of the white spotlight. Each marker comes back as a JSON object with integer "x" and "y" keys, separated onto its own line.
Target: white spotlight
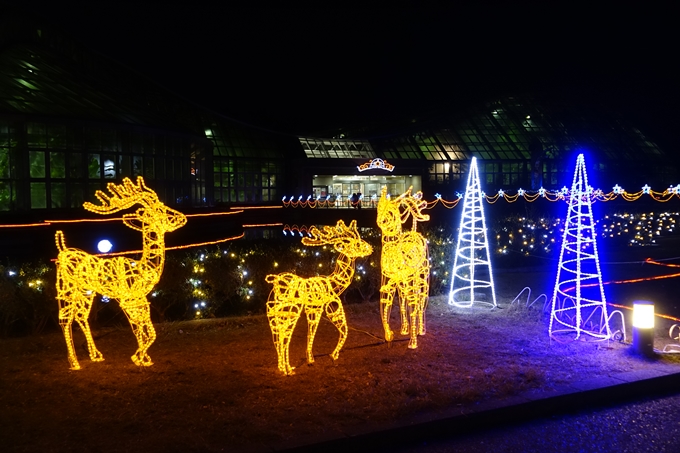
{"x": 104, "y": 246}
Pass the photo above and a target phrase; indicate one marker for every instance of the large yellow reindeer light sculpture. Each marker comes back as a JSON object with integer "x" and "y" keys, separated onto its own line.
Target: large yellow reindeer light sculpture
{"x": 404, "y": 262}
{"x": 315, "y": 295}
{"x": 81, "y": 275}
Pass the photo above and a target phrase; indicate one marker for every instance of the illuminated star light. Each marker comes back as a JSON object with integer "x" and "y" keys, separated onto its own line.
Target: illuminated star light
{"x": 472, "y": 250}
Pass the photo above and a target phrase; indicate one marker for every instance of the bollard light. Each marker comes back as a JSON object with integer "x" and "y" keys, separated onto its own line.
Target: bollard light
{"x": 643, "y": 327}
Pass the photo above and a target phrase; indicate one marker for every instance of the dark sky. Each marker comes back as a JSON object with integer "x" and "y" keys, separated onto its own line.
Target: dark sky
{"x": 305, "y": 68}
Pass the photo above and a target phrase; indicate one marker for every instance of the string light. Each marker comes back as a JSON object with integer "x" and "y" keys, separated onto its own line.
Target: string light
{"x": 318, "y": 295}
{"x": 551, "y": 195}
{"x": 405, "y": 263}
{"x": 579, "y": 264}
{"x": 80, "y": 275}
{"x": 472, "y": 249}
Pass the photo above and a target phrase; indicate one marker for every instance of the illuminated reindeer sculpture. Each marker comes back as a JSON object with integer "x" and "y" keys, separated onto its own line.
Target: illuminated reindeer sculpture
{"x": 404, "y": 262}
{"x": 315, "y": 295}
{"x": 81, "y": 275}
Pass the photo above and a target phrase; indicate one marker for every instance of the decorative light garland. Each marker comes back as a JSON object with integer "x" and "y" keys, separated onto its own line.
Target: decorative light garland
{"x": 527, "y": 195}
{"x": 578, "y": 264}
{"x": 81, "y": 275}
{"x": 318, "y": 295}
{"x": 405, "y": 263}
{"x": 293, "y": 229}
{"x": 472, "y": 249}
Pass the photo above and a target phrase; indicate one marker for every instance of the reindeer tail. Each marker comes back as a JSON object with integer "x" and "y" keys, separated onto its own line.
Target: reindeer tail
{"x": 59, "y": 239}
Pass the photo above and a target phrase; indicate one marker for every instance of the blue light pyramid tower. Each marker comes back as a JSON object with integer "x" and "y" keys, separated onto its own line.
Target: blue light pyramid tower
{"x": 471, "y": 267}
{"x": 579, "y": 305}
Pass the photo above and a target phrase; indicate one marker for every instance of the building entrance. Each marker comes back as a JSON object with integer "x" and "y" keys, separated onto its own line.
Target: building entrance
{"x": 344, "y": 186}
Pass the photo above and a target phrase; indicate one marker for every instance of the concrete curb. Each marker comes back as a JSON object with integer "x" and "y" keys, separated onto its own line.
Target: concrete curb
{"x": 656, "y": 380}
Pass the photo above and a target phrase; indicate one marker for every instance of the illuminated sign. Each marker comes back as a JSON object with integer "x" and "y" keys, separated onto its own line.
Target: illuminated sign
{"x": 376, "y": 163}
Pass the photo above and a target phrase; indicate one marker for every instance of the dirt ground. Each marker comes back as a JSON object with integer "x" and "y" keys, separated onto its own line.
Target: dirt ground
{"x": 214, "y": 385}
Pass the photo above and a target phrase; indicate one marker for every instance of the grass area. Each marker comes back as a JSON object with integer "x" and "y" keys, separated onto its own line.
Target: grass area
{"x": 215, "y": 386}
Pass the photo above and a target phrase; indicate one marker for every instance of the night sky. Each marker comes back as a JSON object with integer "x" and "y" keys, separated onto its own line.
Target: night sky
{"x": 308, "y": 69}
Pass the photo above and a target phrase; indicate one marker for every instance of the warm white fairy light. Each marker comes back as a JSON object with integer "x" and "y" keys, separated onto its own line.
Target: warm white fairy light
{"x": 405, "y": 263}
{"x": 472, "y": 249}
{"x": 578, "y": 270}
{"x": 292, "y": 294}
{"x": 81, "y": 275}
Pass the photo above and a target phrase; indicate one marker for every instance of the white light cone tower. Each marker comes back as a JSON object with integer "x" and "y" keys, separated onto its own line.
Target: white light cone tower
{"x": 471, "y": 268}
{"x": 579, "y": 305}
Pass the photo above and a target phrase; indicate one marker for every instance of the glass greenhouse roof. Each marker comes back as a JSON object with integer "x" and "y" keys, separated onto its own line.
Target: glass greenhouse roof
{"x": 43, "y": 73}
{"x": 516, "y": 128}
{"x": 337, "y": 148}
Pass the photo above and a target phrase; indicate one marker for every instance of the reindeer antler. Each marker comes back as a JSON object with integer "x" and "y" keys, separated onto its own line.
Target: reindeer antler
{"x": 331, "y": 234}
{"x": 122, "y": 196}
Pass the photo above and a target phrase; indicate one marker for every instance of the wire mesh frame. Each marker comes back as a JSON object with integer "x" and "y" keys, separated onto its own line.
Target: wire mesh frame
{"x": 472, "y": 249}
{"x": 579, "y": 277}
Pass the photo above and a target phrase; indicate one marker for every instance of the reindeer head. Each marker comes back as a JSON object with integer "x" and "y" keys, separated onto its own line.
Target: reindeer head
{"x": 391, "y": 217}
{"x": 153, "y": 213}
{"x": 345, "y": 239}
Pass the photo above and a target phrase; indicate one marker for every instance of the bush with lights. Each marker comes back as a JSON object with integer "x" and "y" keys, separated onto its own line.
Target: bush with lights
{"x": 27, "y": 298}
{"x": 229, "y": 280}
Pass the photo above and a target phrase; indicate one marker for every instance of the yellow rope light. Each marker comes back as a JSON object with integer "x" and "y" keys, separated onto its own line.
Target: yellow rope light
{"x": 176, "y": 247}
{"x": 405, "y": 263}
{"x": 292, "y": 294}
{"x": 212, "y": 214}
{"x": 81, "y": 275}
{"x": 25, "y": 225}
{"x": 110, "y": 219}
{"x": 201, "y": 244}
{"x": 260, "y": 225}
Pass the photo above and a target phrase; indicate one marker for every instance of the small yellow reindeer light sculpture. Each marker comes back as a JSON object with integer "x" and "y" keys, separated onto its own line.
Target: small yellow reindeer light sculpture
{"x": 405, "y": 263}
{"x": 80, "y": 275}
{"x": 315, "y": 295}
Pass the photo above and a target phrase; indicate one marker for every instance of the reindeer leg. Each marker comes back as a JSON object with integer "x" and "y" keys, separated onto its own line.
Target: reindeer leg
{"x": 423, "y": 295}
{"x": 313, "y": 318}
{"x": 336, "y": 314}
{"x": 83, "y": 306}
{"x": 414, "y": 307}
{"x": 66, "y": 321}
{"x": 404, "y": 297}
{"x": 386, "y": 298}
{"x": 282, "y": 320}
{"x": 139, "y": 315}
